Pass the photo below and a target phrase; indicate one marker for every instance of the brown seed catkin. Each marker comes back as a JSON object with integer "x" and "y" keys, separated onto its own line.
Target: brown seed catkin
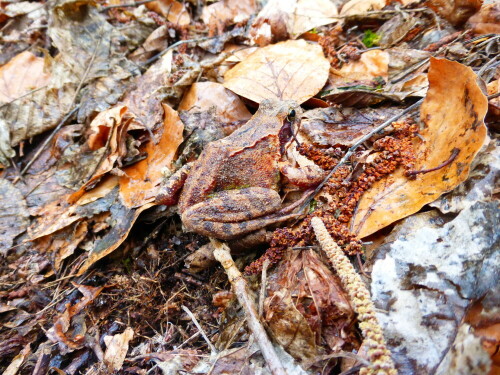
{"x": 378, "y": 354}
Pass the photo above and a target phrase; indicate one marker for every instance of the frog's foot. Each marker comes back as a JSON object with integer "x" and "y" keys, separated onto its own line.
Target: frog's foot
{"x": 233, "y": 213}
{"x": 168, "y": 194}
{"x": 303, "y": 177}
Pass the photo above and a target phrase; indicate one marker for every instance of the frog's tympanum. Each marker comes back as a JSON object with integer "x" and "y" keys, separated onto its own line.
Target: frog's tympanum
{"x": 233, "y": 188}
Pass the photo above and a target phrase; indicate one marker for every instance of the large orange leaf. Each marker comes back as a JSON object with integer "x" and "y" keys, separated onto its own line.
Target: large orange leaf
{"x": 453, "y": 113}
{"x": 138, "y": 183}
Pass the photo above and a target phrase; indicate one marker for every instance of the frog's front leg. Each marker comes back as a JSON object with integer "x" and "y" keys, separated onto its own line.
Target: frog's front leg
{"x": 232, "y": 213}
{"x": 168, "y": 194}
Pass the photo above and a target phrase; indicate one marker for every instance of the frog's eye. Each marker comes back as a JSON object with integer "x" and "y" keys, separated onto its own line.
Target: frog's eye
{"x": 291, "y": 115}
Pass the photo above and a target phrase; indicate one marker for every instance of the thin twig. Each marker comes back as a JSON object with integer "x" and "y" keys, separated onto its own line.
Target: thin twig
{"x": 454, "y": 154}
{"x": 172, "y": 46}
{"x": 48, "y": 139}
{"x": 223, "y": 255}
{"x": 493, "y": 96}
{"x": 263, "y": 283}
{"x": 130, "y": 5}
{"x": 356, "y": 145}
{"x": 200, "y": 329}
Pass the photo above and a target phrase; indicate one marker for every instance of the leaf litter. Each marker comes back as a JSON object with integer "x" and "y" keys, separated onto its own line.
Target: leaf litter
{"x": 102, "y": 103}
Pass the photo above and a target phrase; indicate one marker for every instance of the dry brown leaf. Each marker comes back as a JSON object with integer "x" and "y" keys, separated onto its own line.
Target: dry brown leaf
{"x": 59, "y": 214}
{"x": 487, "y": 20}
{"x": 204, "y": 95}
{"x": 227, "y": 12}
{"x": 109, "y": 131}
{"x": 62, "y": 332}
{"x": 18, "y": 361}
{"x": 453, "y": 112}
{"x": 293, "y": 69}
{"x": 355, "y": 7}
{"x": 371, "y": 64}
{"x": 123, "y": 219}
{"x": 307, "y": 305}
{"x": 172, "y": 10}
{"x": 456, "y": 12}
{"x": 14, "y": 217}
{"x": 116, "y": 349}
{"x": 138, "y": 183}
{"x": 23, "y": 73}
{"x": 282, "y": 18}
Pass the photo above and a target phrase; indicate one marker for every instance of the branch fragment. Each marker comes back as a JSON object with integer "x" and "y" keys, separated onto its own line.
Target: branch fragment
{"x": 222, "y": 254}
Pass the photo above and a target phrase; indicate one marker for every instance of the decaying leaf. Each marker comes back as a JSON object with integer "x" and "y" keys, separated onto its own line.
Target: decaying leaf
{"x": 289, "y": 70}
{"x": 487, "y": 20}
{"x": 87, "y": 48}
{"x": 456, "y": 12}
{"x": 341, "y": 126}
{"x": 282, "y": 18}
{"x": 355, "y": 7}
{"x": 227, "y": 12}
{"x": 138, "y": 183}
{"x": 453, "y": 113}
{"x": 116, "y": 349}
{"x": 172, "y": 10}
{"x": 69, "y": 334}
{"x": 202, "y": 96}
{"x": 23, "y": 73}
{"x": 18, "y": 361}
{"x": 306, "y": 305}
{"x": 109, "y": 130}
{"x": 14, "y": 217}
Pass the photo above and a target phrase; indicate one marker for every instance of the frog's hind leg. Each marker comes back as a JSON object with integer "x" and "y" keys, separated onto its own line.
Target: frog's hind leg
{"x": 232, "y": 213}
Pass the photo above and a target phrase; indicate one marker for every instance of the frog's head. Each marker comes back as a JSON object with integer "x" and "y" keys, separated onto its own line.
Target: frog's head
{"x": 288, "y": 113}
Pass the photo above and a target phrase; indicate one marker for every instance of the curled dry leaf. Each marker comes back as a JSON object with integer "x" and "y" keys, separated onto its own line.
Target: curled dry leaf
{"x": 72, "y": 336}
{"x": 356, "y": 7}
{"x": 453, "y": 113}
{"x": 456, "y": 12}
{"x": 109, "y": 131}
{"x": 172, "y": 10}
{"x": 227, "y": 12}
{"x": 358, "y": 83}
{"x": 137, "y": 185}
{"x": 293, "y": 69}
{"x": 282, "y": 18}
{"x": 14, "y": 217}
{"x": 116, "y": 349}
{"x": 487, "y": 20}
{"x": 202, "y": 96}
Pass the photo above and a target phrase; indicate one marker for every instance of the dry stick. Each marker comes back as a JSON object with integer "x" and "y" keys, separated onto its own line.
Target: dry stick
{"x": 356, "y": 145}
{"x": 176, "y": 44}
{"x": 48, "y": 139}
{"x": 200, "y": 329}
{"x": 131, "y": 5}
{"x": 222, "y": 254}
{"x": 378, "y": 354}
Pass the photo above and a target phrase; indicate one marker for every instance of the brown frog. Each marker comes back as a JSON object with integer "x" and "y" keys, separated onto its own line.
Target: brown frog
{"x": 233, "y": 187}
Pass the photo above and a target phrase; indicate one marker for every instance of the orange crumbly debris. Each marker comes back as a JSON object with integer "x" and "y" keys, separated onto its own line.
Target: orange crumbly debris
{"x": 393, "y": 150}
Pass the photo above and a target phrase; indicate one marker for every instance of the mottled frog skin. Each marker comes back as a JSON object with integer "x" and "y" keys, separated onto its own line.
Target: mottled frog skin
{"x": 233, "y": 188}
